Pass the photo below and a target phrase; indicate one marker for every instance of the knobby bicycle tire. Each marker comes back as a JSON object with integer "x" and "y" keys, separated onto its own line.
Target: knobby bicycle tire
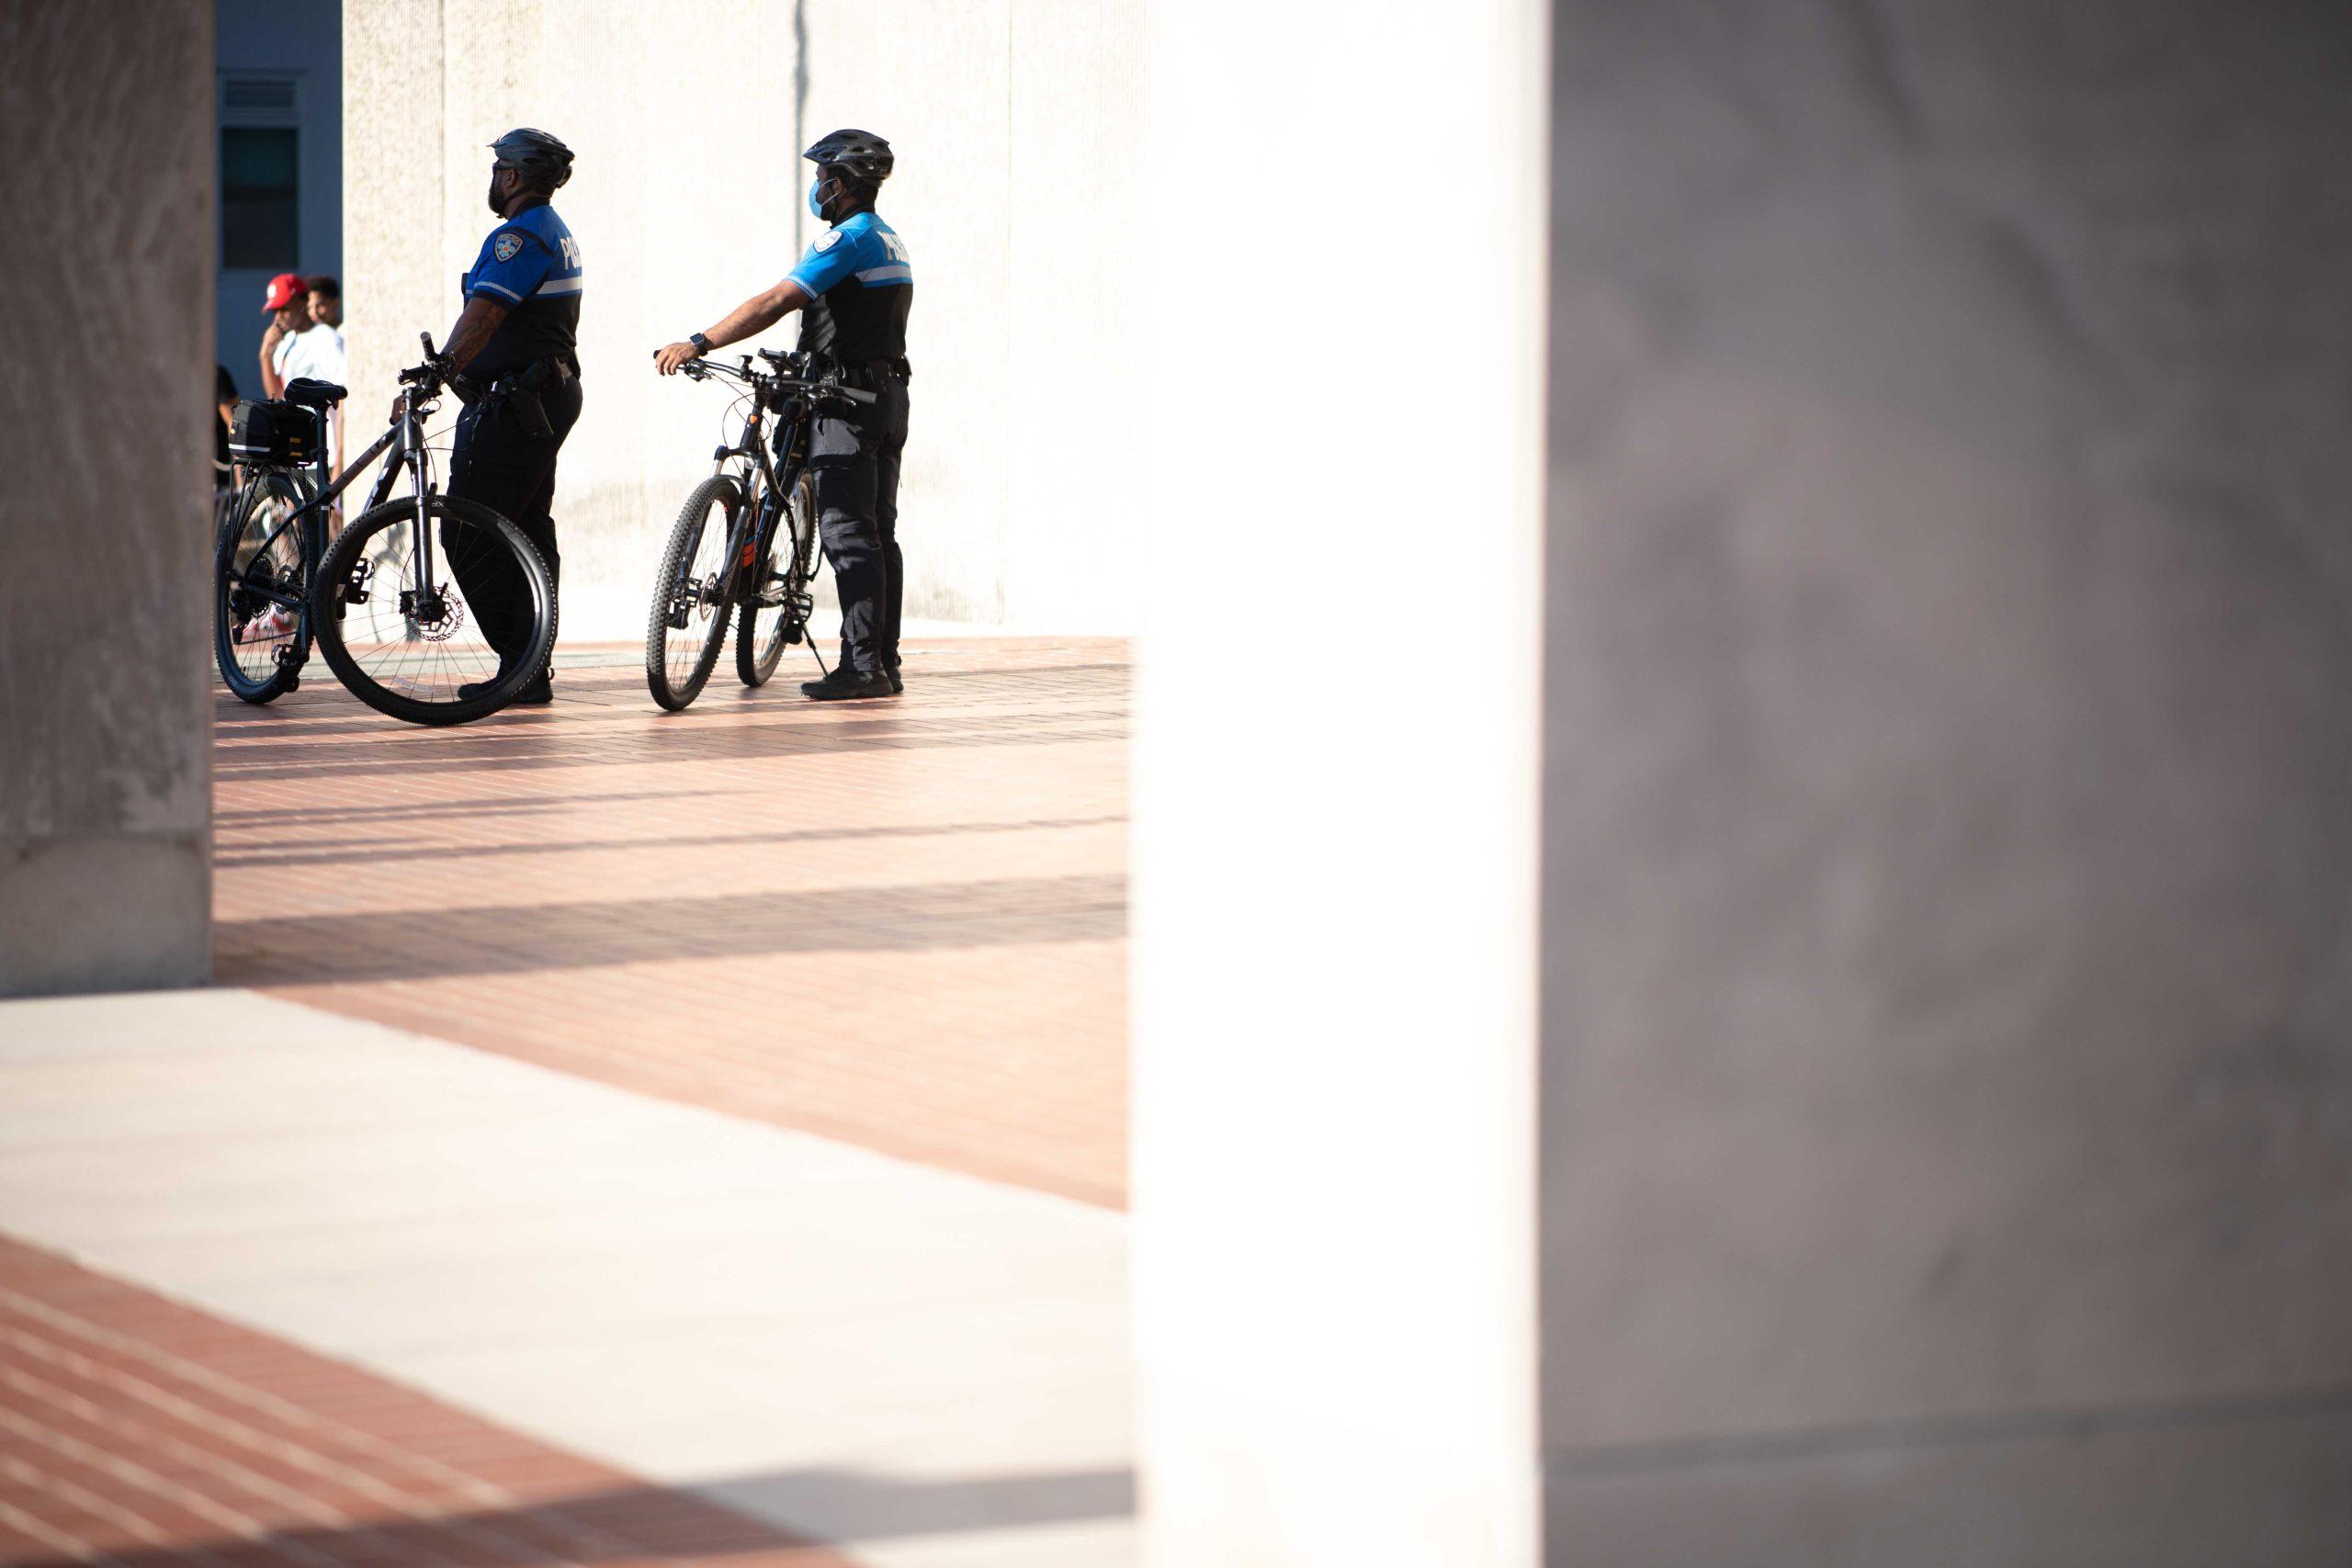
{"x": 349, "y": 568}
{"x": 232, "y": 610}
{"x": 758, "y": 649}
{"x": 674, "y": 689}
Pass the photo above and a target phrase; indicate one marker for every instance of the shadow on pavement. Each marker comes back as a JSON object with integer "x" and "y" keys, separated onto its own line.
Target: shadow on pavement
{"x": 374, "y": 851}
{"x": 649, "y": 1525}
{"x": 505, "y": 939}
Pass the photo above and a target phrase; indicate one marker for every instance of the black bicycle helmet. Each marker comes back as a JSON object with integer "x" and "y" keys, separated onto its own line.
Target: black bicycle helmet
{"x": 541, "y": 156}
{"x": 861, "y": 152}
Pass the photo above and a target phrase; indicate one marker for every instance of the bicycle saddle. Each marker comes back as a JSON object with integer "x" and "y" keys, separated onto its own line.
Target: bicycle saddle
{"x": 314, "y": 394}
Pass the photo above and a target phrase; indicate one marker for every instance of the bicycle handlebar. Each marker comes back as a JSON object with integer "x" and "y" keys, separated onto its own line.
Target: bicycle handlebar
{"x": 427, "y": 374}
{"x": 697, "y": 370}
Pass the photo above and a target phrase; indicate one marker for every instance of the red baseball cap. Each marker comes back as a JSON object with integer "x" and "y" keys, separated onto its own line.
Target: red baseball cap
{"x": 284, "y": 289}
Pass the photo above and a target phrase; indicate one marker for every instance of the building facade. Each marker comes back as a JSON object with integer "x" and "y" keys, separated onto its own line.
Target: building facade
{"x": 278, "y": 86}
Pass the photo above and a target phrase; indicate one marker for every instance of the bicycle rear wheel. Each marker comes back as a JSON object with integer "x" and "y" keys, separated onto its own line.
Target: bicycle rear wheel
{"x": 777, "y": 612}
{"x": 421, "y": 653}
{"x": 262, "y": 565}
{"x": 688, "y": 620}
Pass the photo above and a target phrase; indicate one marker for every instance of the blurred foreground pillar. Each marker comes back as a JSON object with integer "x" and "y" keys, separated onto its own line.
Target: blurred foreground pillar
{"x": 1947, "y": 1110}
{"x": 105, "y": 721}
{"x": 1940, "y": 1100}
{"x": 1336, "y": 785}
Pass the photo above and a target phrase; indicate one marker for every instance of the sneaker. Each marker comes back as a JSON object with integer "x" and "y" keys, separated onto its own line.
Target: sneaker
{"x": 276, "y": 622}
{"x": 843, "y": 683}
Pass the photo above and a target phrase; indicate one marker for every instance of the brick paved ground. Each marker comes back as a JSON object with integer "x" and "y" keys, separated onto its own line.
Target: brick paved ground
{"x": 898, "y": 924}
{"x": 136, "y": 1431}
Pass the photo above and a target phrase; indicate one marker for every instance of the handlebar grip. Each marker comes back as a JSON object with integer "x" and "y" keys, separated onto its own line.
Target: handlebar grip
{"x": 856, "y": 395}
{"x": 426, "y": 339}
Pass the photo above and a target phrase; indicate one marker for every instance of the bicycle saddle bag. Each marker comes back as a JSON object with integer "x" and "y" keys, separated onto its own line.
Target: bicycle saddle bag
{"x": 273, "y": 435}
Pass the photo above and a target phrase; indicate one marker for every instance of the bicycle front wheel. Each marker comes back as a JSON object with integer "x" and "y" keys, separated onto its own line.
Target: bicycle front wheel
{"x": 776, "y": 612}
{"x": 262, "y": 565}
{"x": 442, "y": 625}
{"x": 688, "y": 621}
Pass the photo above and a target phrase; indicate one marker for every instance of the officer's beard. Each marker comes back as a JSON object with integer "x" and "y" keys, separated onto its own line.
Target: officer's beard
{"x": 496, "y": 206}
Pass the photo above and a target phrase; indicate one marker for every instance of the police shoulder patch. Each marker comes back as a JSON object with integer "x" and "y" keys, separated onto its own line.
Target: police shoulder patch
{"x": 506, "y": 245}
{"x": 829, "y": 239}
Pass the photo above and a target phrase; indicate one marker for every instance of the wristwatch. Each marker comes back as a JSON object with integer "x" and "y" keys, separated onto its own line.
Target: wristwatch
{"x": 702, "y": 343}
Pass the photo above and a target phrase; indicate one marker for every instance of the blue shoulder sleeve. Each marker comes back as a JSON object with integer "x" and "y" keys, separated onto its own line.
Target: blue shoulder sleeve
{"x": 514, "y": 262}
{"x": 830, "y": 259}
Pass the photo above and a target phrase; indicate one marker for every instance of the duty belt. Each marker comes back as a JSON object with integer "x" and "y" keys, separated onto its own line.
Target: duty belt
{"x": 518, "y": 390}
{"x": 553, "y": 370}
{"x": 899, "y": 367}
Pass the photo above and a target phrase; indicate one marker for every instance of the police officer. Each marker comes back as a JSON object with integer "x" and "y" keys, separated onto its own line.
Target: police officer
{"x": 853, "y": 290}
{"x": 512, "y": 358}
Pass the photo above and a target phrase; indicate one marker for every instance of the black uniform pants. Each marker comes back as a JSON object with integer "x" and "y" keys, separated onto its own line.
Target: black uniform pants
{"x": 498, "y": 464}
{"x": 854, "y": 461}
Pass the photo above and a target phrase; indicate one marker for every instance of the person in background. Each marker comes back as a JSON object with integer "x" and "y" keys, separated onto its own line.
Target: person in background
{"x": 224, "y": 408}
{"x": 326, "y": 309}
{"x": 326, "y": 303}
{"x": 298, "y": 345}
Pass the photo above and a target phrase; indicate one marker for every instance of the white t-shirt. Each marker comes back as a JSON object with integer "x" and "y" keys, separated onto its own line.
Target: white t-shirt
{"x": 315, "y": 352}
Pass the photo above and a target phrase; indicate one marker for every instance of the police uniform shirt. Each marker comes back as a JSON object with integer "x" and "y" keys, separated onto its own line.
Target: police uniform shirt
{"x": 530, "y": 264}
{"x": 860, "y": 288}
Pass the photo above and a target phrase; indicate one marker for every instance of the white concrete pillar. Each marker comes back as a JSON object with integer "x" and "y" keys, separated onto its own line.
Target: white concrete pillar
{"x": 106, "y": 451}
{"x": 1943, "y": 1073}
{"x": 1336, "y": 785}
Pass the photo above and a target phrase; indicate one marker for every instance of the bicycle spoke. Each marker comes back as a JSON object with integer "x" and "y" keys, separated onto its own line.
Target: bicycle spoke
{"x": 263, "y": 586}
{"x": 424, "y": 646}
{"x": 694, "y": 600}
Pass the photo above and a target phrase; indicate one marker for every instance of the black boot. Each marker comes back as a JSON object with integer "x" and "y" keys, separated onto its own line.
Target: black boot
{"x": 891, "y": 667}
{"x": 537, "y": 694}
{"x": 843, "y": 683}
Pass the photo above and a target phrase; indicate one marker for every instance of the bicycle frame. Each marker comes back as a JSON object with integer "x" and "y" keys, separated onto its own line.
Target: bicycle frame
{"x": 751, "y": 456}
{"x": 405, "y": 440}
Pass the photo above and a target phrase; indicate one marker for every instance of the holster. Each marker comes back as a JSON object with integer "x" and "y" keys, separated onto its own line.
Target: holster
{"x": 520, "y": 394}
{"x": 530, "y": 414}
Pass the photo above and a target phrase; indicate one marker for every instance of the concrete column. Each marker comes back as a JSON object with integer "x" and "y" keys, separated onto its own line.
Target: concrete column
{"x": 1943, "y": 1071}
{"x": 1947, "y": 1084}
{"x": 399, "y": 274}
{"x": 105, "y": 455}
{"x": 1336, "y": 767}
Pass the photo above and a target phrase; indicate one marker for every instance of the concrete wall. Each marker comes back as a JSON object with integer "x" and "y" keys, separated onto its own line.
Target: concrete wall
{"x": 105, "y": 628}
{"x": 1013, "y": 123}
{"x": 1947, "y": 1032}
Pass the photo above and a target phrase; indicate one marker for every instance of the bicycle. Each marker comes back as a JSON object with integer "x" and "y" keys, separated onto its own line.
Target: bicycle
{"x": 264, "y": 556}
{"x": 755, "y": 569}
{"x": 395, "y": 624}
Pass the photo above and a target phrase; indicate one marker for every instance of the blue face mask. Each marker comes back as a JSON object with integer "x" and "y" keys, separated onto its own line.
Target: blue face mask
{"x": 816, "y": 207}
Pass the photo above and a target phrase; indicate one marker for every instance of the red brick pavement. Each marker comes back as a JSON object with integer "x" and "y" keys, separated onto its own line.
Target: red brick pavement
{"x": 900, "y": 924}
{"x": 137, "y": 1431}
